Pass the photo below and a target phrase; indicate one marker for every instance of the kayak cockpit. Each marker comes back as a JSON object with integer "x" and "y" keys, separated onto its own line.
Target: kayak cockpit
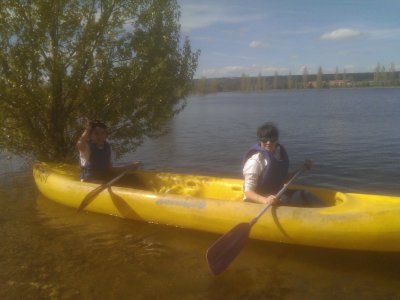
{"x": 211, "y": 187}
{"x": 185, "y": 185}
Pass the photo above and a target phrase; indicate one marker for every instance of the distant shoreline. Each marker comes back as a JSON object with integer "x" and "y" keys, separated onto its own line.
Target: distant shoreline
{"x": 296, "y": 82}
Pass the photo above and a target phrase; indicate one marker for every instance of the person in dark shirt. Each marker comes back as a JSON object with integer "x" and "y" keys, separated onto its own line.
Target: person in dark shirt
{"x": 95, "y": 154}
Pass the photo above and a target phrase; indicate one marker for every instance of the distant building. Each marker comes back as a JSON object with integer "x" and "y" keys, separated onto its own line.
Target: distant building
{"x": 337, "y": 83}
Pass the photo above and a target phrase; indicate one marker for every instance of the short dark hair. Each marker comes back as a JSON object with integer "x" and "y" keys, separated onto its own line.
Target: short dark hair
{"x": 267, "y": 130}
{"x": 97, "y": 123}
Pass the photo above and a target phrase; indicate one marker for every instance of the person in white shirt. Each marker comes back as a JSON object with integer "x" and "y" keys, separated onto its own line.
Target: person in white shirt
{"x": 266, "y": 168}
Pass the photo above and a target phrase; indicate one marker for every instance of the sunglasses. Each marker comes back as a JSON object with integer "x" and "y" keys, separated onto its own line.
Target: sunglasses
{"x": 273, "y": 140}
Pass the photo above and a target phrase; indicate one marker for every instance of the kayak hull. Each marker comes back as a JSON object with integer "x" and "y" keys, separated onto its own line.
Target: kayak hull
{"x": 213, "y": 204}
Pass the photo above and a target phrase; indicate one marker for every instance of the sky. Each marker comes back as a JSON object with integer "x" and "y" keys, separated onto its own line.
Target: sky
{"x": 255, "y": 37}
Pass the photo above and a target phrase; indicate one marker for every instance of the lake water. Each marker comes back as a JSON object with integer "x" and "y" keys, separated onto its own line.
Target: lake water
{"x": 48, "y": 251}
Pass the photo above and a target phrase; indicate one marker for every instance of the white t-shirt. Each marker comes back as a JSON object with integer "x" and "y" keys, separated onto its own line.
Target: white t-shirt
{"x": 253, "y": 168}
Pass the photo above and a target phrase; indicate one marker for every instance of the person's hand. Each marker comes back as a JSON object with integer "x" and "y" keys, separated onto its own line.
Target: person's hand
{"x": 89, "y": 125}
{"x": 271, "y": 200}
{"x": 307, "y": 164}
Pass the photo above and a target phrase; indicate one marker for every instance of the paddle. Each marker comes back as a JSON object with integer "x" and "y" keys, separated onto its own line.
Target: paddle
{"x": 227, "y": 247}
{"x": 89, "y": 197}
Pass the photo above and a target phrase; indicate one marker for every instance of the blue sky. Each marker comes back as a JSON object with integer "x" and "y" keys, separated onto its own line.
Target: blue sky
{"x": 268, "y": 36}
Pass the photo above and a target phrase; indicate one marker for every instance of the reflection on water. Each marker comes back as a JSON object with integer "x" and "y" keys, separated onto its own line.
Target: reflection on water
{"x": 48, "y": 251}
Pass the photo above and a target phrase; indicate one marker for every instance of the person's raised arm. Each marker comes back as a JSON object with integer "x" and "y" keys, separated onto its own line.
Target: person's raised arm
{"x": 82, "y": 142}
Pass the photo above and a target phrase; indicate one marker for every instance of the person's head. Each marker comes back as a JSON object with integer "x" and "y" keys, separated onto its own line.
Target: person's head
{"x": 268, "y": 136}
{"x": 98, "y": 132}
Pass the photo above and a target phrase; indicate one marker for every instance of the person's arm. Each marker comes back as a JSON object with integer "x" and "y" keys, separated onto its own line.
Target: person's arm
{"x": 252, "y": 196}
{"x": 251, "y": 171}
{"x": 82, "y": 142}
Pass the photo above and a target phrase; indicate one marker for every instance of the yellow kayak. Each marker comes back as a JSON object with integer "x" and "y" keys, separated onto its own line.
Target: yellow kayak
{"x": 213, "y": 204}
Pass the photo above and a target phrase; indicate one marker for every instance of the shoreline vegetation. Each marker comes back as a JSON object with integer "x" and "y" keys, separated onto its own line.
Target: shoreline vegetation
{"x": 245, "y": 83}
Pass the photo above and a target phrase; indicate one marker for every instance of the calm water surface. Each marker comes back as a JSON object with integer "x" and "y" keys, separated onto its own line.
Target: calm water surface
{"x": 48, "y": 251}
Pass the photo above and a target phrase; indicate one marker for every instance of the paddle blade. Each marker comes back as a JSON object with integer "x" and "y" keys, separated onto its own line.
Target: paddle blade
{"x": 227, "y": 247}
{"x": 90, "y": 197}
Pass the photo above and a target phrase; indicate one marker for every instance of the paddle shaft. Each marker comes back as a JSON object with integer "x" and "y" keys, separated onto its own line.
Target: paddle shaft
{"x": 279, "y": 194}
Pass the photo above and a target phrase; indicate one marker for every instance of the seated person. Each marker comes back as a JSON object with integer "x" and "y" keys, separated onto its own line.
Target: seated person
{"x": 266, "y": 170}
{"x": 95, "y": 154}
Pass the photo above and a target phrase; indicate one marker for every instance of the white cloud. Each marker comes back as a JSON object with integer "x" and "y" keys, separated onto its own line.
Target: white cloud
{"x": 345, "y": 33}
{"x": 228, "y": 71}
{"x": 341, "y": 34}
{"x": 200, "y": 15}
{"x": 237, "y": 71}
{"x": 258, "y": 44}
{"x": 243, "y": 57}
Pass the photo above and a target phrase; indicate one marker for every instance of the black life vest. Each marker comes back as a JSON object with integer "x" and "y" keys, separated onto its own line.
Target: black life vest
{"x": 99, "y": 162}
{"x": 274, "y": 175}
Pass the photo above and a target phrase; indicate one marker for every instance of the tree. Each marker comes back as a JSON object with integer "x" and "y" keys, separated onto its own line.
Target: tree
{"x": 260, "y": 81}
{"x": 264, "y": 84}
{"x": 344, "y": 76}
{"x": 275, "y": 84}
{"x": 245, "y": 82}
{"x": 336, "y": 76}
{"x": 383, "y": 76}
{"x": 214, "y": 86}
{"x": 122, "y": 61}
{"x": 290, "y": 81}
{"x": 377, "y": 75}
{"x": 201, "y": 86}
{"x": 305, "y": 77}
{"x": 243, "y": 79}
{"x": 392, "y": 74}
{"x": 319, "y": 78}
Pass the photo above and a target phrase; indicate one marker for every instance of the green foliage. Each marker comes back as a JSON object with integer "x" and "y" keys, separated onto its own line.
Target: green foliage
{"x": 62, "y": 61}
